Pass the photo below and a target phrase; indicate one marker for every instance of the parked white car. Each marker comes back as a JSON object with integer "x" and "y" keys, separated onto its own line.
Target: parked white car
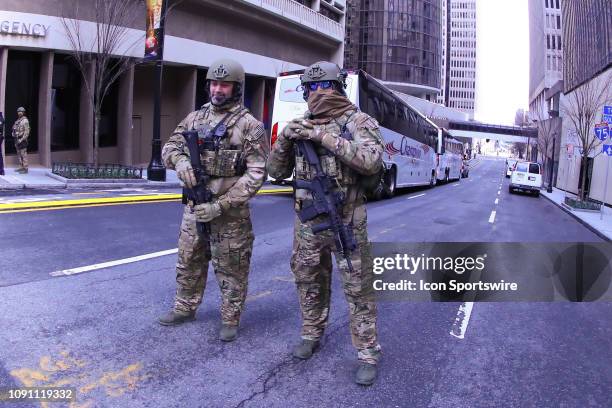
{"x": 509, "y": 166}
{"x": 527, "y": 177}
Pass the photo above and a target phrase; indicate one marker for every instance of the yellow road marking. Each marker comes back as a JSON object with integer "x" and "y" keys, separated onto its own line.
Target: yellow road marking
{"x": 85, "y": 201}
{"x": 51, "y": 208}
{"x": 102, "y": 201}
{"x": 71, "y": 372}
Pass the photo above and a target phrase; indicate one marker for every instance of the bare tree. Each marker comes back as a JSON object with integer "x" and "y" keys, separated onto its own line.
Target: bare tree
{"x": 518, "y": 148}
{"x": 103, "y": 47}
{"x": 544, "y": 124}
{"x": 581, "y": 107}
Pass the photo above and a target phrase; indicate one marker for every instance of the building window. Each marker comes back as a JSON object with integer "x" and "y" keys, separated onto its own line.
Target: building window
{"x": 548, "y": 62}
{"x": 65, "y": 101}
{"x": 557, "y": 4}
{"x": 559, "y": 22}
{"x": 547, "y": 42}
{"x": 558, "y": 42}
{"x": 546, "y": 2}
{"x": 553, "y": 43}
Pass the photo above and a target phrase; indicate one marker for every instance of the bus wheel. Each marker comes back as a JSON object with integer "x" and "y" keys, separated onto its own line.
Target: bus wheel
{"x": 432, "y": 181}
{"x": 447, "y": 176}
{"x": 390, "y": 183}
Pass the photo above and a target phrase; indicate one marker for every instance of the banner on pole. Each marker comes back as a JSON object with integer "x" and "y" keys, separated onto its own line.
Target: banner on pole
{"x": 154, "y": 41}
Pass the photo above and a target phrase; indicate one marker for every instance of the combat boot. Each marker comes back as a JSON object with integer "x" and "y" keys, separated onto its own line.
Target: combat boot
{"x": 228, "y": 333}
{"x": 24, "y": 170}
{"x": 174, "y": 318}
{"x": 19, "y": 170}
{"x": 366, "y": 374}
{"x": 305, "y": 349}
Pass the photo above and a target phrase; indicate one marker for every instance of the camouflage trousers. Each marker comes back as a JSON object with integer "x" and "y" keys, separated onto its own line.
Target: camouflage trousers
{"x": 230, "y": 248}
{"x": 311, "y": 263}
{"x": 22, "y": 154}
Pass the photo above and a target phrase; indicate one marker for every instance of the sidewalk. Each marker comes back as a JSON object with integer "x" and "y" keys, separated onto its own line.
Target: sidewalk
{"x": 41, "y": 178}
{"x": 592, "y": 220}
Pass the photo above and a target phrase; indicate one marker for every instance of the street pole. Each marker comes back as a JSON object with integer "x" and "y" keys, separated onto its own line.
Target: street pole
{"x": 552, "y": 165}
{"x": 156, "y": 171}
{"x": 603, "y": 201}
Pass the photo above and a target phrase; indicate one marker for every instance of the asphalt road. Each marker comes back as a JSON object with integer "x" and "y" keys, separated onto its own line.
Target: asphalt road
{"x": 97, "y": 331}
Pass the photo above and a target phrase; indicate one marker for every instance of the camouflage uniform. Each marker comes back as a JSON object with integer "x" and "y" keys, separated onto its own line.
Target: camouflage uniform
{"x": 21, "y": 132}
{"x": 231, "y": 234}
{"x": 311, "y": 260}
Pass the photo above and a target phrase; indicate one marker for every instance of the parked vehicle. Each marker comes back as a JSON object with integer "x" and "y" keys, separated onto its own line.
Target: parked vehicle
{"x": 510, "y": 166}
{"x": 526, "y": 177}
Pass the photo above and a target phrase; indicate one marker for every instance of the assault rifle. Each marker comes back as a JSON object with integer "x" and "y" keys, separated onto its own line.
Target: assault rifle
{"x": 200, "y": 193}
{"x": 325, "y": 201}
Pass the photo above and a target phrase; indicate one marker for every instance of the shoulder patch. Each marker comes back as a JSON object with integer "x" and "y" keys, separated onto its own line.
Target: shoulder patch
{"x": 256, "y": 133}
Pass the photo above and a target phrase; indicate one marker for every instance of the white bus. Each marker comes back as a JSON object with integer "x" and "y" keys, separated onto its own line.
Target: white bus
{"x": 411, "y": 141}
{"x": 449, "y": 157}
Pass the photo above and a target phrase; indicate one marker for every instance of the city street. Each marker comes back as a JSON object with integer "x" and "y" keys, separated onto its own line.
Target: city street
{"x": 98, "y": 331}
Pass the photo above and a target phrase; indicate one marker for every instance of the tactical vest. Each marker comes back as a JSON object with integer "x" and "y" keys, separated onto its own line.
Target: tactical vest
{"x": 219, "y": 157}
{"x": 331, "y": 164}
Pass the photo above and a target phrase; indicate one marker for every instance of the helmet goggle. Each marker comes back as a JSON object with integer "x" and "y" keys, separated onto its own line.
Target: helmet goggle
{"x": 321, "y": 84}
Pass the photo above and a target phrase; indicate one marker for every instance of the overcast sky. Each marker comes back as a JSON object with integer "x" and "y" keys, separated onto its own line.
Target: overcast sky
{"x": 502, "y": 60}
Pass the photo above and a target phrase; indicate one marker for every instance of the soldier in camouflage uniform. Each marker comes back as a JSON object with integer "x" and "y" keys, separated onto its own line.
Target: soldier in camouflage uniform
{"x": 237, "y": 169}
{"x": 350, "y": 148}
{"x": 21, "y": 132}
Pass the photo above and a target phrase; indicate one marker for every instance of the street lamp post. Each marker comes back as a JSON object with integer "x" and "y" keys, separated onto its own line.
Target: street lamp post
{"x": 156, "y": 171}
{"x": 552, "y": 166}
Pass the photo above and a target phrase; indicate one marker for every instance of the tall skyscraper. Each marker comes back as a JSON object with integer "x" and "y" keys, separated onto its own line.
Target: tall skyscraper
{"x": 545, "y": 52}
{"x": 444, "y": 19}
{"x": 460, "y": 53}
{"x": 396, "y": 41}
{"x": 588, "y": 40}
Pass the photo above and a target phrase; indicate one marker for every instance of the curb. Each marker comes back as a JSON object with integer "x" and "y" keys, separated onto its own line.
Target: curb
{"x": 580, "y": 220}
{"x": 64, "y": 183}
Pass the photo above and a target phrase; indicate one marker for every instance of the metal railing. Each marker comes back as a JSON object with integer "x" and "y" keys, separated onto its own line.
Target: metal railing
{"x": 101, "y": 171}
{"x": 304, "y": 15}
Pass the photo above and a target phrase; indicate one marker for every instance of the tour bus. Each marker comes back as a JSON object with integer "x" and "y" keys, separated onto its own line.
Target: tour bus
{"x": 410, "y": 139}
{"x": 449, "y": 158}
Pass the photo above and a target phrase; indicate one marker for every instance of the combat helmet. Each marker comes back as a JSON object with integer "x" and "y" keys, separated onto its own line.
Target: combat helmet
{"x": 21, "y": 109}
{"x": 228, "y": 70}
{"x": 324, "y": 71}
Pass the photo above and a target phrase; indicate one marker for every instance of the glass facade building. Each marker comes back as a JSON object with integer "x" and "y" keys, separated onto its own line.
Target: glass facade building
{"x": 587, "y": 34}
{"x": 397, "y": 41}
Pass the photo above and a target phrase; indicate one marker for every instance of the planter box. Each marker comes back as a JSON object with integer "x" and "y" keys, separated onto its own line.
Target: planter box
{"x": 576, "y": 204}
{"x": 103, "y": 172}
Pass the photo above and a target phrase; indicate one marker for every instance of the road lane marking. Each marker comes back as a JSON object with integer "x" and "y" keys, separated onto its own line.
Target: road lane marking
{"x": 415, "y": 196}
{"x": 492, "y": 217}
{"x": 85, "y": 201}
{"x": 455, "y": 185}
{"x": 63, "y": 207}
{"x": 88, "y": 268}
{"x": 498, "y": 192}
{"x": 462, "y": 320}
{"x": 496, "y": 201}
{"x": 91, "y": 202}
